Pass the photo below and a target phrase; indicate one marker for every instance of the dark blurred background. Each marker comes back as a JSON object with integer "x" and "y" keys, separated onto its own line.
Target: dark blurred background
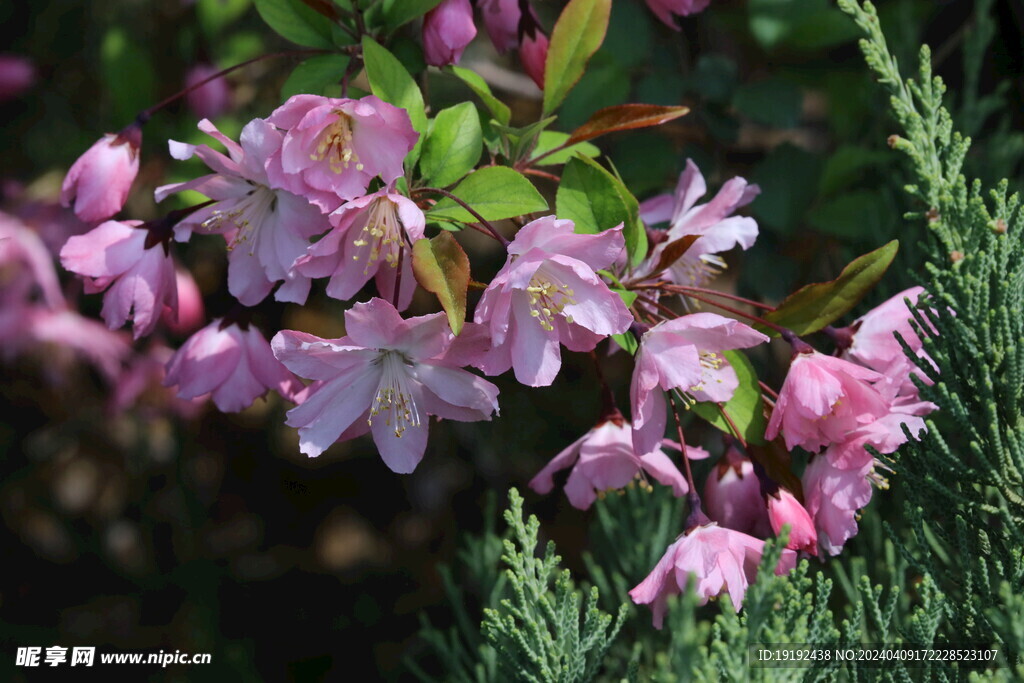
{"x": 143, "y": 528}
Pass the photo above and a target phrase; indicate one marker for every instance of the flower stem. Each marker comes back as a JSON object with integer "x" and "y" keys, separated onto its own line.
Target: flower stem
{"x": 483, "y": 221}
{"x": 685, "y": 289}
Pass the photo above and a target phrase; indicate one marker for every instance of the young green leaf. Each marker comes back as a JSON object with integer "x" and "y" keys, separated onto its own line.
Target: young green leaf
{"x": 442, "y": 267}
{"x": 499, "y": 110}
{"x": 495, "y": 192}
{"x": 296, "y": 22}
{"x": 625, "y": 117}
{"x": 398, "y": 12}
{"x": 578, "y": 33}
{"x": 745, "y": 408}
{"x": 316, "y": 76}
{"x": 552, "y": 139}
{"x": 814, "y": 306}
{"x": 392, "y": 83}
{"x": 453, "y": 146}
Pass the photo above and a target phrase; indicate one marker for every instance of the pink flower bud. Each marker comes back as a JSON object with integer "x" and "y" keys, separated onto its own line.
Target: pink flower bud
{"x": 501, "y": 19}
{"x": 191, "y": 312}
{"x": 17, "y": 74}
{"x": 447, "y": 30}
{"x": 784, "y": 508}
{"x": 210, "y": 100}
{"x": 732, "y": 496}
{"x": 98, "y": 183}
{"x": 533, "y": 53}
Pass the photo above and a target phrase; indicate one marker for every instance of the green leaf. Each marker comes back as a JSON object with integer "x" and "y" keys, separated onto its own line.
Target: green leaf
{"x": 390, "y": 81}
{"x": 499, "y": 110}
{"x": 213, "y": 15}
{"x": 745, "y": 408}
{"x": 550, "y": 139}
{"x": 595, "y": 200}
{"x": 398, "y": 12}
{"x": 627, "y": 341}
{"x": 495, "y": 192}
{"x": 129, "y": 72}
{"x": 318, "y": 75}
{"x": 847, "y": 165}
{"x": 812, "y": 307}
{"x": 773, "y": 102}
{"x": 855, "y": 216}
{"x": 788, "y": 178}
{"x": 578, "y": 33}
{"x": 442, "y": 267}
{"x": 453, "y": 146}
{"x": 296, "y": 22}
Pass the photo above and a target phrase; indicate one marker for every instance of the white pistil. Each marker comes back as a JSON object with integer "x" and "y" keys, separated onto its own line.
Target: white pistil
{"x": 548, "y": 297}
{"x": 381, "y": 236}
{"x": 335, "y": 145}
{"x": 394, "y": 398}
{"x": 248, "y": 216}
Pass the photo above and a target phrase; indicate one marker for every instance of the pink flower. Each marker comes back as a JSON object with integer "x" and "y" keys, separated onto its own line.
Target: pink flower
{"x": 683, "y": 354}
{"x": 211, "y": 100}
{"x": 333, "y": 148}
{"x": 603, "y": 459}
{"x": 548, "y": 294}
{"x": 139, "y": 387}
{"x": 191, "y": 314}
{"x": 533, "y": 53}
{"x": 783, "y": 509}
{"x": 447, "y": 30}
{"x": 501, "y": 19}
{"x": 231, "y": 362}
{"x": 732, "y": 496}
{"x": 721, "y": 560}
{"x": 139, "y": 277}
{"x": 665, "y": 9}
{"x": 387, "y": 373}
{"x": 824, "y": 399}
{"x": 885, "y": 435}
{"x": 719, "y": 230}
{"x": 27, "y": 268}
{"x": 266, "y": 228}
{"x": 99, "y": 181}
{"x": 369, "y": 239}
{"x": 17, "y": 74}
{"x": 833, "y": 495}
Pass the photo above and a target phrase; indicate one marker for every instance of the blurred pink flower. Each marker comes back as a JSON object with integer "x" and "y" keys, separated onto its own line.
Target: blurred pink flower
{"x": 387, "y": 373}
{"x": 684, "y": 354}
{"x": 824, "y": 399}
{"x": 718, "y": 229}
{"x": 211, "y": 100}
{"x": 139, "y": 387}
{"x": 17, "y": 74}
{"x": 333, "y": 148}
{"x": 191, "y": 312}
{"x": 266, "y": 228}
{"x": 832, "y": 496}
{"x": 447, "y": 30}
{"x": 784, "y": 508}
{"x": 548, "y": 294}
{"x": 732, "y": 496}
{"x": 603, "y": 459}
{"x": 720, "y": 560}
{"x": 231, "y": 362}
{"x": 138, "y": 277}
{"x": 666, "y": 9}
{"x": 26, "y": 266}
{"x": 369, "y": 239}
{"x": 533, "y": 53}
{"x": 99, "y": 181}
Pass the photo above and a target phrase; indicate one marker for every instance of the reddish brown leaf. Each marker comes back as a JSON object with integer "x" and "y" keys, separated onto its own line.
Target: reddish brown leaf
{"x": 672, "y": 252}
{"x": 624, "y": 117}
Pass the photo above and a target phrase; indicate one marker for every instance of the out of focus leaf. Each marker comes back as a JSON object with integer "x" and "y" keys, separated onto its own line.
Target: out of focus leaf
{"x": 773, "y": 102}
{"x": 605, "y": 83}
{"x": 625, "y": 117}
{"x": 214, "y": 15}
{"x": 853, "y": 216}
{"x": 128, "y": 71}
{"x": 442, "y": 267}
{"x": 578, "y": 33}
{"x": 453, "y": 146}
{"x": 399, "y": 12}
{"x": 320, "y": 75}
{"x": 846, "y": 165}
{"x": 789, "y": 179}
{"x": 499, "y": 110}
{"x": 296, "y": 22}
{"x": 714, "y": 77}
{"x": 495, "y": 192}
{"x": 745, "y": 408}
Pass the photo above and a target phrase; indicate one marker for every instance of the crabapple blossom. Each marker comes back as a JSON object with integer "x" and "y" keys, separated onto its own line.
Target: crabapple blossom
{"x": 783, "y": 509}
{"x": 732, "y": 495}
{"x": 370, "y": 239}
{"x": 533, "y": 53}
{"x": 191, "y": 314}
{"x": 683, "y": 353}
{"x": 501, "y": 19}
{"x": 97, "y": 184}
{"x": 137, "y": 274}
{"x": 388, "y": 374}
{"x": 233, "y": 363}
{"x": 266, "y": 228}
{"x": 447, "y": 30}
{"x": 824, "y": 399}
{"x": 333, "y": 148}
{"x": 548, "y": 294}
{"x": 603, "y": 459}
{"x": 668, "y": 10}
{"x": 720, "y": 560}
{"x": 211, "y": 100}
{"x": 833, "y": 495}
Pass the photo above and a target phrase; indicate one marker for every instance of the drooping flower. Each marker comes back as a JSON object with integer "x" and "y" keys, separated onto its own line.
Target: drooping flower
{"x": 266, "y": 228}
{"x": 501, "y": 19}
{"x": 783, "y": 509}
{"x": 824, "y": 399}
{"x": 604, "y": 459}
{"x": 832, "y": 496}
{"x": 191, "y": 314}
{"x": 732, "y": 496}
{"x": 548, "y": 294}
{"x": 720, "y": 560}
{"x": 211, "y": 100}
{"x": 138, "y": 276}
{"x": 668, "y": 10}
{"x": 447, "y": 30}
{"x": 684, "y": 354}
{"x": 533, "y": 53}
{"x": 370, "y": 239}
{"x": 233, "y": 363}
{"x": 714, "y": 222}
{"x": 99, "y": 181}
{"x": 387, "y": 373}
{"x": 333, "y": 148}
